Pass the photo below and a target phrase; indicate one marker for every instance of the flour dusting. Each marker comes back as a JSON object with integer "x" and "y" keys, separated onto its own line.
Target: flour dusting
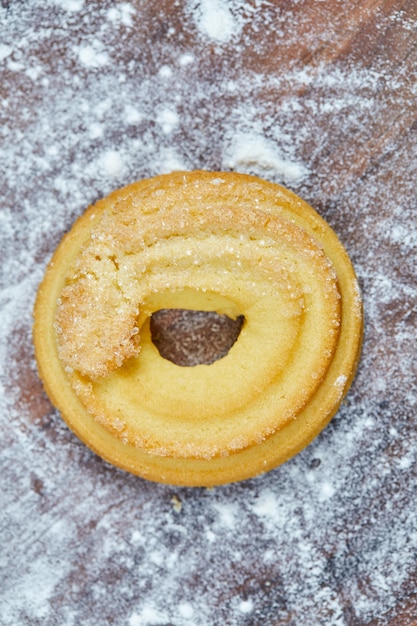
{"x": 215, "y": 20}
{"x": 251, "y": 152}
{"x": 96, "y": 95}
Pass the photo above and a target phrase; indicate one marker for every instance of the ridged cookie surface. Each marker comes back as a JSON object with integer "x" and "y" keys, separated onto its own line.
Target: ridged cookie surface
{"x": 219, "y": 242}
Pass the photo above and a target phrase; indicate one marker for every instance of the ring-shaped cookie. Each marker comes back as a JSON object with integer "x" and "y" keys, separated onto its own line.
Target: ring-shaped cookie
{"x": 221, "y": 242}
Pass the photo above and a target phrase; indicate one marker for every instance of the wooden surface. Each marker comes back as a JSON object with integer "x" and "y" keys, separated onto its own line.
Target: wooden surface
{"x": 319, "y": 96}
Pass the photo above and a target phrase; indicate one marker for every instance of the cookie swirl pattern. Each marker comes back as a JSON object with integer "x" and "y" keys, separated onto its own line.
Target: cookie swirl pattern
{"x": 220, "y": 242}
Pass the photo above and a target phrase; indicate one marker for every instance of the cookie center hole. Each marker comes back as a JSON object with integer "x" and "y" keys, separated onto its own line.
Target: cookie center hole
{"x": 187, "y": 337}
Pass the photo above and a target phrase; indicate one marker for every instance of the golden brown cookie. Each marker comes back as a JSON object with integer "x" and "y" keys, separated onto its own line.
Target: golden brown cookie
{"x": 201, "y": 241}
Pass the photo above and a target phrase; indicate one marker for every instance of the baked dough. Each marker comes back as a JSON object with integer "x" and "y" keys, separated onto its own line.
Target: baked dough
{"x": 202, "y": 241}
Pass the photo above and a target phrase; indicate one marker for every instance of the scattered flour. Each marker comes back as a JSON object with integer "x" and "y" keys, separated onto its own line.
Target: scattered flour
{"x": 112, "y": 163}
{"x": 250, "y": 152}
{"x": 5, "y": 51}
{"x": 215, "y": 20}
{"x": 92, "y": 55}
{"x": 122, "y": 14}
{"x": 168, "y": 120}
{"x": 69, "y": 5}
{"x": 245, "y": 606}
{"x": 98, "y": 94}
{"x": 186, "y": 610}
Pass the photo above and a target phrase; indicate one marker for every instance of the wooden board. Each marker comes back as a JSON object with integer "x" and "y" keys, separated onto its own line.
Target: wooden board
{"x": 318, "y": 96}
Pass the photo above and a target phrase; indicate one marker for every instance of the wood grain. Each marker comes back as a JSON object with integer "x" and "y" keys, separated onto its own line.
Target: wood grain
{"x": 95, "y": 95}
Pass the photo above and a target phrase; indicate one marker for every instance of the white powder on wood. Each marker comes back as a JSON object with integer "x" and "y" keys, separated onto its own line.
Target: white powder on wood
{"x": 215, "y": 20}
{"x": 96, "y": 95}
